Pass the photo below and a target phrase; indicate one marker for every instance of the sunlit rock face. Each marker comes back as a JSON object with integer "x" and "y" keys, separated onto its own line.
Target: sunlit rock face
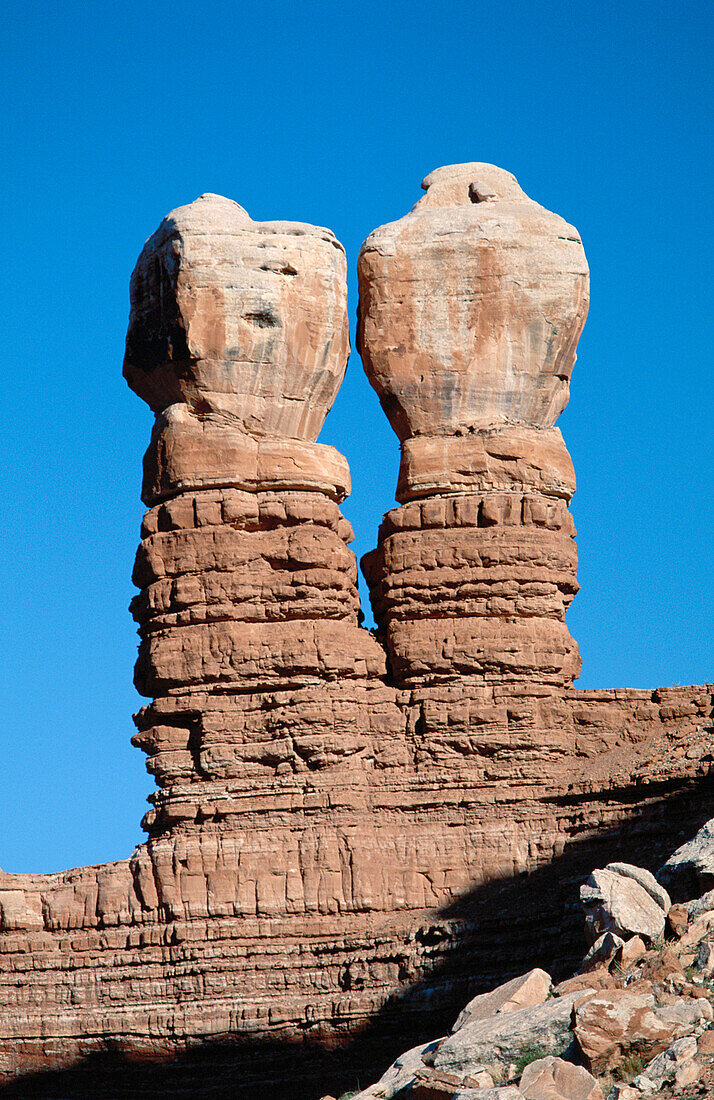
{"x": 351, "y": 832}
{"x": 471, "y": 307}
{"x": 238, "y": 319}
{"x": 470, "y": 311}
{"x": 238, "y": 340}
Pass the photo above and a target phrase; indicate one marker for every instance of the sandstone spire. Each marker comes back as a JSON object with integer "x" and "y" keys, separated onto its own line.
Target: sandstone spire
{"x": 471, "y": 307}
{"x": 238, "y": 340}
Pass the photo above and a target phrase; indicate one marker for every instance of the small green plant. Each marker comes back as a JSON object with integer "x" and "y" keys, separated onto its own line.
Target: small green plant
{"x": 528, "y": 1055}
{"x": 350, "y": 1092}
{"x": 632, "y": 1064}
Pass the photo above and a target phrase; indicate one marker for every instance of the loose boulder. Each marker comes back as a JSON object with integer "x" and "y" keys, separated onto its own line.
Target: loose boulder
{"x": 611, "y": 1024}
{"x": 625, "y": 900}
{"x": 503, "y": 1038}
{"x": 630, "y": 953}
{"x": 677, "y": 920}
{"x": 528, "y": 989}
{"x": 553, "y": 1079}
{"x": 604, "y": 948}
{"x": 698, "y": 906}
{"x": 705, "y": 957}
{"x": 664, "y": 1067}
{"x": 689, "y": 872}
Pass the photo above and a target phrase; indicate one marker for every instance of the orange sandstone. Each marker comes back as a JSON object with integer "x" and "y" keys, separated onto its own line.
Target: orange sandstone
{"x": 350, "y": 834}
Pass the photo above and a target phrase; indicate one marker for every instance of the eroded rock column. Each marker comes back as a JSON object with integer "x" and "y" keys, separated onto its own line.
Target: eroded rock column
{"x": 248, "y": 608}
{"x": 470, "y": 311}
{"x": 332, "y": 859}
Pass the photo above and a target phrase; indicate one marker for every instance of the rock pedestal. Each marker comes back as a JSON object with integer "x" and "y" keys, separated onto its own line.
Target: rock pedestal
{"x": 248, "y": 606}
{"x": 471, "y": 307}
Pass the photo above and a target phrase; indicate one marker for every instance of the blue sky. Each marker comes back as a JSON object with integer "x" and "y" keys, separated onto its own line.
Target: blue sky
{"x": 332, "y": 113}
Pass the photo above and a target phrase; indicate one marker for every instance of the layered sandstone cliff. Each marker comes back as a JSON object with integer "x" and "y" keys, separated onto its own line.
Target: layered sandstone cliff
{"x": 343, "y": 822}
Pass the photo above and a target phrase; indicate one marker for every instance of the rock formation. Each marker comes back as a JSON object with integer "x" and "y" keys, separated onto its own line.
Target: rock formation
{"x": 470, "y": 311}
{"x": 248, "y": 605}
{"x": 346, "y": 823}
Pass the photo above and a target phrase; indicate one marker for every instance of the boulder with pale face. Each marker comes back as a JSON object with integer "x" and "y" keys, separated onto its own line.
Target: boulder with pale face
{"x": 471, "y": 307}
{"x": 240, "y": 320}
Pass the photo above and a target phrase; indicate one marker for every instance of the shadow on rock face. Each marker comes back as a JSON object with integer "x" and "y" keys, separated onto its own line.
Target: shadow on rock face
{"x": 498, "y": 930}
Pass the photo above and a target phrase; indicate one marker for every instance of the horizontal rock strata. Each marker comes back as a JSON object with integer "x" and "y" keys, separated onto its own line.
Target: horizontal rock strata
{"x": 347, "y": 823}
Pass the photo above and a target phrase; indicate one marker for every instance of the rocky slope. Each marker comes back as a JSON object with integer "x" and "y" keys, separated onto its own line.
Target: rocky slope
{"x": 636, "y": 1020}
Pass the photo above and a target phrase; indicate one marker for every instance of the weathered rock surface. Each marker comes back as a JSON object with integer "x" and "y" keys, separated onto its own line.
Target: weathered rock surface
{"x": 610, "y": 1024}
{"x": 699, "y": 906}
{"x": 646, "y": 880}
{"x": 666, "y": 1065}
{"x": 452, "y": 297}
{"x": 476, "y": 280}
{"x": 602, "y": 950}
{"x": 648, "y": 1006}
{"x": 677, "y": 919}
{"x": 346, "y": 825}
{"x": 528, "y": 989}
{"x": 240, "y": 321}
{"x": 631, "y": 952}
{"x": 625, "y": 900}
{"x": 689, "y": 871}
{"x": 506, "y": 1092}
{"x": 553, "y": 1079}
{"x": 502, "y": 1038}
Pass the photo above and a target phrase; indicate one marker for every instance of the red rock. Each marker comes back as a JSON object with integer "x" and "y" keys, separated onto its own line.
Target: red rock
{"x": 609, "y": 1024}
{"x": 594, "y": 979}
{"x": 444, "y": 309}
{"x": 527, "y": 989}
{"x": 687, "y": 1074}
{"x": 460, "y": 289}
{"x": 630, "y": 953}
{"x": 554, "y": 1079}
{"x": 677, "y": 920}
{"x": 338, "y": 814}
{"x": 243, "y": 323}
{"x": 660, "y": 965}
{"x": 705, "y": 1043}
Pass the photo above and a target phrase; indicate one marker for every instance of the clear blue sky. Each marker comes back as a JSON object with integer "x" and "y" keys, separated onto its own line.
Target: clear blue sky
{"x": 332, "y": 113}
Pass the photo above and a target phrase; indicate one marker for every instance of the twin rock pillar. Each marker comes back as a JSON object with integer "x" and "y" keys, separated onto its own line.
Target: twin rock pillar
{"x": 342, "y": 821}
{"x": 248, "y": 610}
{"x": 471, "y": 307}
{"x": 305, "y": 768}
{"x": 268, "y": 698}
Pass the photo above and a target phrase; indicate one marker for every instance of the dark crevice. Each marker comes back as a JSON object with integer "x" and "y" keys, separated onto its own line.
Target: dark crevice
{"x": 263, "y": 318}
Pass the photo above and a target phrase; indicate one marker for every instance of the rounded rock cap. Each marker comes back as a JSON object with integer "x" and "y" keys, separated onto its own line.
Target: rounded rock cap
{"x": 474, "y": 182}
{"x": 471, "y": 307}
{"x": 241, "y": 320}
